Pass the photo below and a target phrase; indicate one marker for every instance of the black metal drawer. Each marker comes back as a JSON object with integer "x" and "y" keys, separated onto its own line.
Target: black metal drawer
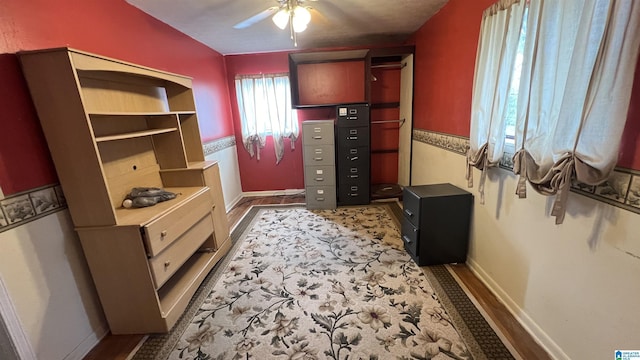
{"x": 411, "y": 207}
{"x": 351, "y": 137}
{"x": 353, "y": 194}
{"x": 352, "y": 174}
{"x": 353, "y": 115}
{"x": 357, "y": 156}
{"x": 410, "y": 238}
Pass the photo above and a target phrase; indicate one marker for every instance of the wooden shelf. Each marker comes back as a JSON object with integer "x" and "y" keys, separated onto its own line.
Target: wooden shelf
{"x": 135, "y": 134}
{"x": 159, "y": 113}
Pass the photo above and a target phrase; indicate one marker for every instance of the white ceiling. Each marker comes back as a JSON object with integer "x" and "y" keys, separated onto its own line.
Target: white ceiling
{"x": 334, "y": 23}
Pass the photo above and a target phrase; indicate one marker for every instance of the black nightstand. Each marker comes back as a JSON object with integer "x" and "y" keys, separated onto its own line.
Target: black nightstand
{"x": 435, "y": 226}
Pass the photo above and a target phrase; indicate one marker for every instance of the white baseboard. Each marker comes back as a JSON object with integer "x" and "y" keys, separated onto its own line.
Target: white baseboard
{"x": 87, "y": 344}
{"x": 243, "y": 195}
{"x": 273, "y": 192}
{"x": 233, "y": 203}
{"x": 541, "y": 337}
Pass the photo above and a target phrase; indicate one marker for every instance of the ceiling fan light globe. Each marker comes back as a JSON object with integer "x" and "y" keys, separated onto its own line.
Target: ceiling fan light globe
{"x": 301, "y": 14}
{"x": 299, "y": 27}
{"x": 281, "y": 19}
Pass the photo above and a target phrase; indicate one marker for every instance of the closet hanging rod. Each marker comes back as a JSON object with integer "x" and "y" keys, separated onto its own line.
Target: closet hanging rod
{"x": 401, "y": 121}
{"x": 381, "y": 66}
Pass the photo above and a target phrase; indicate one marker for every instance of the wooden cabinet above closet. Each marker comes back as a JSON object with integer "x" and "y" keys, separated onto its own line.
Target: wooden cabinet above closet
{"x": 328, "y": 78}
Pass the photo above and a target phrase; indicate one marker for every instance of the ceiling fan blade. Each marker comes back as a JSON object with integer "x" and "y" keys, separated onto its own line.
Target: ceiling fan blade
{"x": 256, "y": 18}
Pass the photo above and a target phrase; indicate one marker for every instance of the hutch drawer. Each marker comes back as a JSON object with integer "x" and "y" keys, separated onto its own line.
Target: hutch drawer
{"x": 163, "y": 231}
{"x": 171, "y": 259}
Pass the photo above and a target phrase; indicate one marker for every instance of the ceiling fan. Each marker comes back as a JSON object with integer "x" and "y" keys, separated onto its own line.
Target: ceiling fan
{"x": 288, "y": 12}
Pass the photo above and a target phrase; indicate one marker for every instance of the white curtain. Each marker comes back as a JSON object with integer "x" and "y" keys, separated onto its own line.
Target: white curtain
{"x": 264, "y": 103}
{"x": 575, "y": 88}
{"x": 497, "y": 48}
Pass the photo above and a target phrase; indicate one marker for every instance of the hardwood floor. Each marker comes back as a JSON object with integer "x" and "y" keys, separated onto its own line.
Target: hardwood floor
{"x": 120, "y": 347}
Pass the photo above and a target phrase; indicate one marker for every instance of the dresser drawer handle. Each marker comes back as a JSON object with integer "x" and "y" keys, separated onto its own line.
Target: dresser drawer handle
{"x": 167, "y": 264}
{"x": 163, "y": 234}
{"x": 408, "y": 212}
{"x": 406, "y": 239}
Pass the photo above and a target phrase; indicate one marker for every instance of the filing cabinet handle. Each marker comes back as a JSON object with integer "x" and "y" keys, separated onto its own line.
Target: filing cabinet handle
{"x": 408, "y": 212}
{"x": 163, "y": 234}
{"x": 353, "y": 194}
{"x": 354, "y": 158}
{"x": 406, "y": 239}
{"x": 319, "y": 179}
{"x": 352, "y": 138}
{"x": 317, "y": 159}
{"x": 353, "y": 176}
{"x": 319, "y": 199}
{"x": 318, "y": 137}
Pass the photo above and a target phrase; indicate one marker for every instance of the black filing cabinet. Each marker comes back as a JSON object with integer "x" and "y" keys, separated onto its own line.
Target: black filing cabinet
{"x": 435, "y": 226}
{"x": 353, "y": 154}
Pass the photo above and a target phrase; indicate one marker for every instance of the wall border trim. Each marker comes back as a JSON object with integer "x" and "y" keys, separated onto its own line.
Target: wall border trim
{"x": 218, "y": 144}
{"x": 622, "y": 189}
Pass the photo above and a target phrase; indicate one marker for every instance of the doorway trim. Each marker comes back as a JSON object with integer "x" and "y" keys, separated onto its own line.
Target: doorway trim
{"x": 12, "y": 335}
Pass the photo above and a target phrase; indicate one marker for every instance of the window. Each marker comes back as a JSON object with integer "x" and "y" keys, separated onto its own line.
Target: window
{"x": 264, "y": 104}
{"x": 552, "y": 80}
{"x": 514, "y": 87}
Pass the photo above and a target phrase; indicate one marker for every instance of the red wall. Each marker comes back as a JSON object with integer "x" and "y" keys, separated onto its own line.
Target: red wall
{"x": 111, "y": 28}
{"x": 444, "y": 66}
{"x": 630, "y": 148}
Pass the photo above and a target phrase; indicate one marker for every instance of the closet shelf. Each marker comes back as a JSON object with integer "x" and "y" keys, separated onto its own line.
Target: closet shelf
{"x": 401, "y": 121}
{"x": 385, "y": 105}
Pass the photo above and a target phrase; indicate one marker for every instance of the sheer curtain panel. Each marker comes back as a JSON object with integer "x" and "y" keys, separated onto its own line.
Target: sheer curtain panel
{"x": 264, "y": 103}
{"x": 497, "y": 48}
{"x": 577, "y": 75}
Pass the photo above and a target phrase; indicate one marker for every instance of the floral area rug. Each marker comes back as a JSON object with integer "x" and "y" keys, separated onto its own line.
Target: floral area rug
{"x": 316, "y": 284}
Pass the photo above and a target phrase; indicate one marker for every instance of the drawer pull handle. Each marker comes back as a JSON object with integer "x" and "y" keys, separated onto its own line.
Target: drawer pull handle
{"x": 354, "y": 158}
{"x": 317, "y": 159}
{"x": 167, "y": 264}
{"x": 354, "y": 194}
{"x": 352, "y": 138}
{"x": 319, "y": 199}
{"x": 406, "y": 239}
{"x": 317, "y": 137}
{"x": 163, "y": 233}
{"x": 319, "y": 179}
{"x": 408, "y": 212}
